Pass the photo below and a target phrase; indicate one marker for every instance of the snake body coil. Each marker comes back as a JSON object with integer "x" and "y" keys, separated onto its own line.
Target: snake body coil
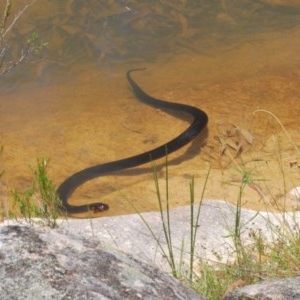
{"x": 198, "y": 124}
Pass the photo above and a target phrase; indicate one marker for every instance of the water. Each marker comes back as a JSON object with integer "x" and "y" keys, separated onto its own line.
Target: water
{"x": 73, "y": 104}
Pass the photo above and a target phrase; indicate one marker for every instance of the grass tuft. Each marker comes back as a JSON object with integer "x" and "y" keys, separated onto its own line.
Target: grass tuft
{"x": 38, "y": 201}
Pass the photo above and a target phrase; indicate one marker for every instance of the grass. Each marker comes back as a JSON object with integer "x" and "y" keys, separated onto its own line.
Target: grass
{"x": 255, "y": 256}
{"x": 39, "y": 204}
{"x": 177, "y": 269}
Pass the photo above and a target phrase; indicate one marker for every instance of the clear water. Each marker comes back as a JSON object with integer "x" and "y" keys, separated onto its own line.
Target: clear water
{"x": 73, "y": 104}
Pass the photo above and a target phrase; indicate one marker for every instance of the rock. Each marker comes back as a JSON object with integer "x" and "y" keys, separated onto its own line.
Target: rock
{"x": 281, "y": 289}
{"x": 129, "y": 234}
{"x": 42, "y": 263}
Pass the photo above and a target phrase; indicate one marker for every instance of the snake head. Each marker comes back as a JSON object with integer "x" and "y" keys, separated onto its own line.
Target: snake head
{"x": 98, "y": 207}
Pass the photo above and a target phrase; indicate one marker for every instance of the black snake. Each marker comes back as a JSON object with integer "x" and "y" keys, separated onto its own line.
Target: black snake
{"x": 198, "y": 124}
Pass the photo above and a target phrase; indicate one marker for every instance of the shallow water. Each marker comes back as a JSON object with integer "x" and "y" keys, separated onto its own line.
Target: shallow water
{"x": 74, "y": 106}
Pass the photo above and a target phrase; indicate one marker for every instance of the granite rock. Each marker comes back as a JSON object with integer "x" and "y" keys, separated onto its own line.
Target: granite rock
{"x": 280, "y": 289}
{"x": 42, "y": 263}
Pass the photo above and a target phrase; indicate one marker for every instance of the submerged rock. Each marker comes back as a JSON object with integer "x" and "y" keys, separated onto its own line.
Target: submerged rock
{"x": 42, "y": 263}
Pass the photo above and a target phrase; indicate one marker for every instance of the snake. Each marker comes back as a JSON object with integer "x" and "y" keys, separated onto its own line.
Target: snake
{"x": 197, "y": 125}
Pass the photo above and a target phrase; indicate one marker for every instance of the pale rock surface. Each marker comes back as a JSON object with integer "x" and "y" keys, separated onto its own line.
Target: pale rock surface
{"x": 40, "y": 263}
{"x": 282, "y": 289}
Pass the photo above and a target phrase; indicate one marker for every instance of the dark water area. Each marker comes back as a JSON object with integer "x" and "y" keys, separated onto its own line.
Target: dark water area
{"x": 71, "y": 103}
